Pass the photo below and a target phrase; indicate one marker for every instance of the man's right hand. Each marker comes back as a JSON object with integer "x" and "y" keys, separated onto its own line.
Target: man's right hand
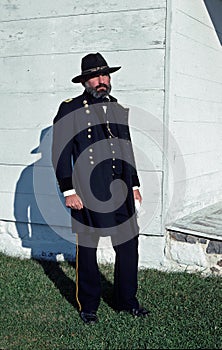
{"x": 74, "y": 202}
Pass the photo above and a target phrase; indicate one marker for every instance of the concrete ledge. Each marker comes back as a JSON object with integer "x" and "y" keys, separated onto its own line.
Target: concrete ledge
{"x": 206, "y": 222}
{"x": 36, "y": 241}
{"x": 151, "y": 251}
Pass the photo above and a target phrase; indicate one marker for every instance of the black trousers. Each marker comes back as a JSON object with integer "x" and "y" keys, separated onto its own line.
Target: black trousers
{"x": 88, "y": 284}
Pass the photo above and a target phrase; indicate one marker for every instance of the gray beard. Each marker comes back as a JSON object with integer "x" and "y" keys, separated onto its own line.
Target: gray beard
{"x": 97, "y": 94}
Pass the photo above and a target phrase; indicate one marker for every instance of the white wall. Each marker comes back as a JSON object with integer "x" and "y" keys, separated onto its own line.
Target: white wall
{"x": 194, "y": 107}
{"x": 42, "y": 44}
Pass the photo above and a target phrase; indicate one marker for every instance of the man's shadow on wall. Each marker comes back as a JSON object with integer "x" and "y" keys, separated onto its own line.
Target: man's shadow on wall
{"x": 43, "y": 222}
{"x": 33, "y": 197}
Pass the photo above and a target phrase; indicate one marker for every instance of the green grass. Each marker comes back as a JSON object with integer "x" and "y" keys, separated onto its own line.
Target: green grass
{"x": 38, "y": 310}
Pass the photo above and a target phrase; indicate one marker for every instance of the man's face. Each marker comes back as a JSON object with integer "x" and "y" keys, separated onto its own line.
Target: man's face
{"x": 98, "y": 86}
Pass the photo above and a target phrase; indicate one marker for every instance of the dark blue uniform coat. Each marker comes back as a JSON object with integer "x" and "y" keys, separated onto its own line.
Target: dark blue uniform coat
{"x": 92, "y": 148}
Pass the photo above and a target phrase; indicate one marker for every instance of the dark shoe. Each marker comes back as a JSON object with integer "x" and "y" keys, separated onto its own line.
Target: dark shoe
{"x": 138, "y": 312}
{"x": 88, "y": 317}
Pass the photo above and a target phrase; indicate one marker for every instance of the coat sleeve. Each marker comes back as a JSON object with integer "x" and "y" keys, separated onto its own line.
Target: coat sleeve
{"x": 62, "y": 147}
{"x": 133, "y": 170}
{"x": 128, "y": 150}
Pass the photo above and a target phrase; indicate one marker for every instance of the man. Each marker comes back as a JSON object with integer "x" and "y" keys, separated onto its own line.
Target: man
{"x": 95, "y": 169}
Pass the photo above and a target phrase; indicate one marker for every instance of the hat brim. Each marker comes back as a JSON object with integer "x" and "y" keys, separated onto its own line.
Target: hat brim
{"x": 83, "y": 77}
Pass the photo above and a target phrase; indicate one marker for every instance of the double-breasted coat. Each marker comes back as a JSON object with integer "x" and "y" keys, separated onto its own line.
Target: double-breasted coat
{"x": 92, "y": 148}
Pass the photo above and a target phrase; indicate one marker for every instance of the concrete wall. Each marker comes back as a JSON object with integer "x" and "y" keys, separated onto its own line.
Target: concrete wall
{"x": 42, "y": 44}
{"x": 194, "y": 105}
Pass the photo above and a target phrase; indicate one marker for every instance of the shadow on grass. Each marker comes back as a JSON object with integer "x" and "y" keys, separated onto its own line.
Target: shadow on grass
{"x": 62, "y": 282}
{"x": 67, "y": 286}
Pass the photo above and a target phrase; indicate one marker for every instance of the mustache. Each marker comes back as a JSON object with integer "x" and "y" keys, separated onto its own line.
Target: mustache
{"x": 102, "y": 85}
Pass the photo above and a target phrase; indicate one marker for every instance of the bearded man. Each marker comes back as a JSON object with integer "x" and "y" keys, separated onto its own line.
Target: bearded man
{"x": 95, "y": 168}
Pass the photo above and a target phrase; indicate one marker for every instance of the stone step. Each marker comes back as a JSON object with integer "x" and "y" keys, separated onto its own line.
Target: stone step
{"x": 206, "y": 222}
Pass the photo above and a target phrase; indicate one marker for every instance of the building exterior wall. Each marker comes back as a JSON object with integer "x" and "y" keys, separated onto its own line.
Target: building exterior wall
{"x": 194, "y": 105}
{"x": 41, "y": 48}
{"x": 171, "y": 80}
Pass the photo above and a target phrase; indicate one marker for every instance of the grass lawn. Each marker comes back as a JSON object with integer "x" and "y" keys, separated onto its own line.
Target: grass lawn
{"x": 38, "y": 310}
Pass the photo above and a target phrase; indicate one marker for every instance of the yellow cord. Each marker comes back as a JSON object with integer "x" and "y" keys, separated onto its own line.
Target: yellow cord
{"x": 77, "y": 277}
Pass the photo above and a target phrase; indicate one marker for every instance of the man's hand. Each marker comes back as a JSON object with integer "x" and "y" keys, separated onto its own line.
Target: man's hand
{"x": 74, "y": 202}
{"x": 137, "y": 195}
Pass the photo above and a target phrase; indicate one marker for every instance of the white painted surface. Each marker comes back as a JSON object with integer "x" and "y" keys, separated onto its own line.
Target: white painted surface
{"x": 188, "y": 254}
{"x": 26, "y": 9}
{"x": 123, "y": 33}
{"x": 41, "y": 50}
{"x": 193, "y": 110}
{"x": 151, "y": 251}
{"x": 53, "y": 73}
{"x": 37, "y": 241}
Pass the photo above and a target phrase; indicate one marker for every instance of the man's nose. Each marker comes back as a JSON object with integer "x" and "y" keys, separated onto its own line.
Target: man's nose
{"x": 101, "y": 78}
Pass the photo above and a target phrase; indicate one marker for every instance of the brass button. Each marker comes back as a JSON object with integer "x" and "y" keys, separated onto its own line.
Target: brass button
{"x": 111, "y": 144}
{"x": 114, "y": 166}
{"x": 89, "y": 130}
{"x": 92, "y": 162}
{"x": 89, "y": 123}
{"x": 86, "y": 105}
{"x": 90, "y": 150}
{"x": 90, "y": 157}
{"x": 87, "y": 111}
{"x": 85, "y": 102}
{"x": 89, "y": 136}
{"x": 113, "y": 152}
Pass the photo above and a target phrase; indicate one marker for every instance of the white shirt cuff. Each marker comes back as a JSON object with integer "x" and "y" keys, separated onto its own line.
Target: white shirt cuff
{"x": 69, "y": 193}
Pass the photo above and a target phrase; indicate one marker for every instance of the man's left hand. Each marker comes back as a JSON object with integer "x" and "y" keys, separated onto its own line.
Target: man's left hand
{"x": 137, "y": 195}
